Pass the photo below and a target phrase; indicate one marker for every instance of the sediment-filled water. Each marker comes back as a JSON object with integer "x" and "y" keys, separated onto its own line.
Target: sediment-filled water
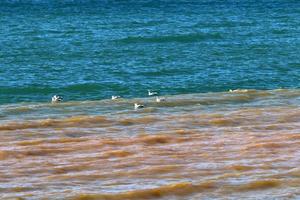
{"x": 230, "y": 125}
{"x": 239, "y": 145}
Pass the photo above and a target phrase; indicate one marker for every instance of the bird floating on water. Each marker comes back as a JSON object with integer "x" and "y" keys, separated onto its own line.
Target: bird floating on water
{"x": 115, "y": 97}
{"x": 56, "y": 99}
{"x": 152, "y": 93}
{"x": 160, "y": 99}
{"x": 238, "y": 90}
{"x": 138, "y": 106}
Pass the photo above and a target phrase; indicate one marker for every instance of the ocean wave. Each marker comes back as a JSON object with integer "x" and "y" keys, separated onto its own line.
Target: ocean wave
{"x": 187, "y": 38}
{"x": 178, "y": 189}
{"x": 94, "y": 106}
{"x": 182, "y": 190}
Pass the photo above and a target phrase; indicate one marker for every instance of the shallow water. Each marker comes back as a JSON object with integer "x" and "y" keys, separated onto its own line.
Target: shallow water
{"x": 239, "y": 145}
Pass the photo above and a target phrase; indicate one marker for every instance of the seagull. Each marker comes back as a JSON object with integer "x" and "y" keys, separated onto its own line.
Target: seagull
{"x": 56, "y": 99}
{"x": 238, "y": 90}
{"x": 137, "y": 106}
{"x": 160, "y": 99}
{"x": 115, "y": 97}
{"x": 152, "y": 93}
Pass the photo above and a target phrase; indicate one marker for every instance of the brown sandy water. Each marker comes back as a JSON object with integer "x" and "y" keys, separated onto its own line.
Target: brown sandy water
{"x": 239, "y": 145}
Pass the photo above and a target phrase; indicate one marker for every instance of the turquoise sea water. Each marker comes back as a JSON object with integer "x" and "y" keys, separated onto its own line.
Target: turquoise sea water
{"x": 95, "y": 49}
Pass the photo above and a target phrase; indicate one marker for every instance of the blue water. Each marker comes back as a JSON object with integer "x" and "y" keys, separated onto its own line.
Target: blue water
{"x": 95, "y": 49}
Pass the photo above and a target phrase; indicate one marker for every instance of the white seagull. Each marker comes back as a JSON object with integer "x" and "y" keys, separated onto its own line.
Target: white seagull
{"x": 56, "y": 99}
{"x": 160, "y": 99}
{"x": 152, "y": 93}
{"x": 238, "y": 90}
{"x": 137, "y": 106}
{"x": 115, "y": 97}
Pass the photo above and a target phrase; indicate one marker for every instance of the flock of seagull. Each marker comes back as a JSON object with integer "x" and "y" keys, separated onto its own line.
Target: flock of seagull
{"x": 57, "y": 99}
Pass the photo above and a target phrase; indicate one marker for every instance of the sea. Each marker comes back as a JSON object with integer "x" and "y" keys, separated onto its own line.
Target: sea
{"x": 229, "y": 74}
